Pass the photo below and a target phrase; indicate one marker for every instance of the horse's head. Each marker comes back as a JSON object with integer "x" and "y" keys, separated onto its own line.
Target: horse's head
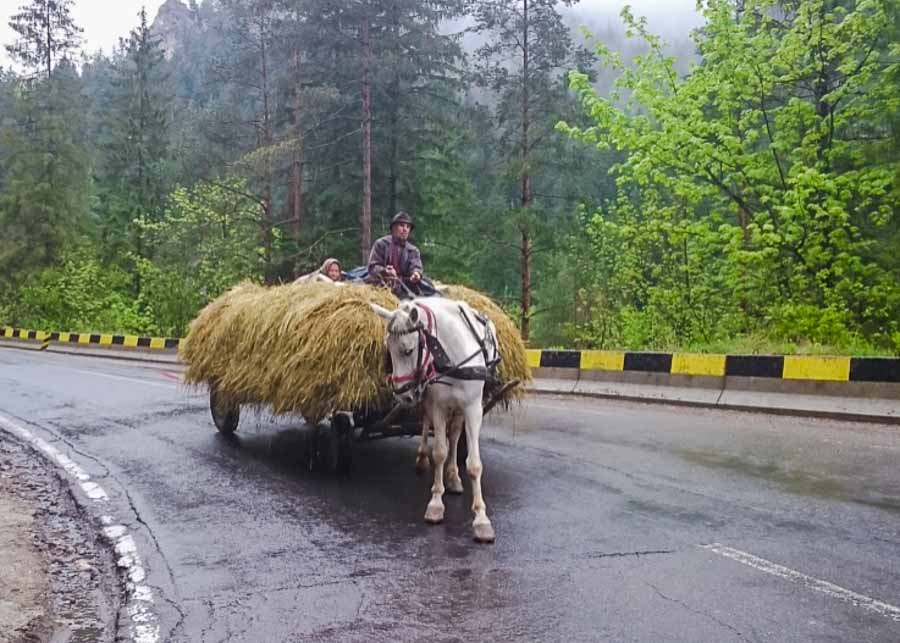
{"x": 407, "y": 348}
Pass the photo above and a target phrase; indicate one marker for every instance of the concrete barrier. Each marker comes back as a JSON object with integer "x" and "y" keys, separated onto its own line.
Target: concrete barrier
{"x": 848, "y": 388}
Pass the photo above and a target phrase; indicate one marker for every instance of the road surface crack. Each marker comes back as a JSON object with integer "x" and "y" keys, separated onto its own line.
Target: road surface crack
{"x": 693, "y": 610}
{"x": 636, "y": 554}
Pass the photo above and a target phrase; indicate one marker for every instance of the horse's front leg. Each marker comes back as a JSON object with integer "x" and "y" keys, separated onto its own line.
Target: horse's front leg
{"x": 454, "y": 483}
{"x": 422, "y": 451}
{"x": 484, "y": 531}
{"x": 434, "y": 513}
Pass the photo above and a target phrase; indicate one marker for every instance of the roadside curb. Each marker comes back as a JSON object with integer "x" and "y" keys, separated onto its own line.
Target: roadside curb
{"x": 82, "y": 339}
{"x": 153, "y": 356}
{"x": 138, "y": 613}
{"x": 672, "y": 398}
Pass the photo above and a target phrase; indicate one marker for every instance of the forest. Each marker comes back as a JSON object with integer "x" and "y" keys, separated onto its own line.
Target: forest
{"x": 736, "y": 190}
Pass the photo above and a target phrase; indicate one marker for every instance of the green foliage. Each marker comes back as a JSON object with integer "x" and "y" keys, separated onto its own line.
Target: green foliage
{"x": 758, "y": 191}
{"x": 169, "y": 298}
{"x": 45, "y": 172}
{"x": 205, "y": 243}
{"x": 78, "y": 294}
{"x": 133, "y": 173}
{"x": 746, "y": 203}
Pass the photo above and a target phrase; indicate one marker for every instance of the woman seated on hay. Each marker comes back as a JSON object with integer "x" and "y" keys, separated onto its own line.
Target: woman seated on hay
{"x": 329, "y": 271}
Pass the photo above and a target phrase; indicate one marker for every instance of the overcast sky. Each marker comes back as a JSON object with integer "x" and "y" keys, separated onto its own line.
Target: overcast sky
{"x": 105, "y": 21}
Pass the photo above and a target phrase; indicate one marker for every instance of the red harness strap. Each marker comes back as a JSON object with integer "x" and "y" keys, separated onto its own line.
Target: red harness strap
{"x": 425, "y": 369}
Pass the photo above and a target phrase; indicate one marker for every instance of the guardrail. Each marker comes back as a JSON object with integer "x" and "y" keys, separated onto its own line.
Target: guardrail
{"x": 786, "y": 367}
{"x": 100, "y": 339}
{"x": 856, "y": 388}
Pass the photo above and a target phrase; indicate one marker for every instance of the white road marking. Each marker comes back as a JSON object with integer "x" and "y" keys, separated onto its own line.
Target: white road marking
{"x": 816, "y": 584}
{"x": 144, "y": 625}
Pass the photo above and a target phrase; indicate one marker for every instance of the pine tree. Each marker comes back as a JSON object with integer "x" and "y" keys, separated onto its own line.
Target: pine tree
{"x": 246, "y": 77}
{"x": 46, "y": 174}
{"x": 47, "y": 34}
{"x": 134, "y": 174}
{"x": 528, "y": 51}
{"x": 46, "y": 169}
{"x": 393, "y": 66}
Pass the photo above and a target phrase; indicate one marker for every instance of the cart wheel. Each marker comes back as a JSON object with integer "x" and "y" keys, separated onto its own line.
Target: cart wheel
{"x": 341, "y": 443}
{"x": 225, "y": 415}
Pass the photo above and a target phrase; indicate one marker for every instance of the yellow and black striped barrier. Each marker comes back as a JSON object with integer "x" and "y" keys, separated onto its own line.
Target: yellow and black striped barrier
{"x": 787, "y": 367}
{"x": 127, "y": 341}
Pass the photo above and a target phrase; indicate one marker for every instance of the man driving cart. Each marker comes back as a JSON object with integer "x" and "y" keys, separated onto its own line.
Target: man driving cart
{"x": 395, "y": 262}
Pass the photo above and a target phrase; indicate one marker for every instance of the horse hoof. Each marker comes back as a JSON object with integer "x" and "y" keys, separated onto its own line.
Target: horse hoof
{"x": 434, "y": 515}
{"x": 454, "y": 487}
{"x": 484, "y": 533}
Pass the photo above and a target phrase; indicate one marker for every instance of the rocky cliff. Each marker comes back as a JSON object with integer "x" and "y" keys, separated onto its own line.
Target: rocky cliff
{"x": 173, "y": 22}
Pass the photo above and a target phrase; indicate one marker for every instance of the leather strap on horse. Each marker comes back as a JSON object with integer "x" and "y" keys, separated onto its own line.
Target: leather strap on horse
{"x": 490, "y": 364}
{"x": 442, "y": 364}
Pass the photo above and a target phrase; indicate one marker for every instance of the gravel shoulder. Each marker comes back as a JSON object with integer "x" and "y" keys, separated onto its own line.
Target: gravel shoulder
{"x": 57, "y": 575}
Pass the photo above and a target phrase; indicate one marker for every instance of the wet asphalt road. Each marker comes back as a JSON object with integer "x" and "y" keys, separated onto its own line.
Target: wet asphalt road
{"x": 602, "y": 510}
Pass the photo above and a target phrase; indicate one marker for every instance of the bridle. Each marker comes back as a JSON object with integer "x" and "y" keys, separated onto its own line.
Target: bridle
{"x": 425, "y": 367}
{"x": 433, "y": 364}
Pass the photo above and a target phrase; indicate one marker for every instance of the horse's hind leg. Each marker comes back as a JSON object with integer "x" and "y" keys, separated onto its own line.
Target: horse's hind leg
{"x": 454, "y": 483}
{"x": 484, "y": 531}
{"x": 434, "y": 513}
{"x": 422, "y": 452}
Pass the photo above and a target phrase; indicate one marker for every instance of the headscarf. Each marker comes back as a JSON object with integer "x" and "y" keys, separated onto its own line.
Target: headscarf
{"x": 324, "y": 269}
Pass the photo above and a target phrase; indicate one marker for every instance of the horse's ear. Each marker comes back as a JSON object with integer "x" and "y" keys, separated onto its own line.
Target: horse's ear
{"x": 414, "y": 315}
{"x": 384, "y": 313}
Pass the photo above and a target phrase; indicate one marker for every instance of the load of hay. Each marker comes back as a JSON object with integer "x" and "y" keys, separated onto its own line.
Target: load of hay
{"x": 312, "y": 348}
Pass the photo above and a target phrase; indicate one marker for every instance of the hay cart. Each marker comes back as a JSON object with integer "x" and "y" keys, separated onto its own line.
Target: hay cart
{"x": 331, "y": 444}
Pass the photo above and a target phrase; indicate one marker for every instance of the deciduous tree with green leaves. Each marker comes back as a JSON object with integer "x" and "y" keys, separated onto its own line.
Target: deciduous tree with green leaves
{"x": 760, "y": 190}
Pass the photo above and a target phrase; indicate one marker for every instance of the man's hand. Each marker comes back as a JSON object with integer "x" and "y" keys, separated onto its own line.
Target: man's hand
{"x": 390, "y": 272}
{"x": 415, "y": 277}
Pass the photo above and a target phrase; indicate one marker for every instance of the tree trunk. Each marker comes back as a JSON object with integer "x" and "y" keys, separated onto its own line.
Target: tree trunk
{"x": 49, "y": 32}
{"x": 268, "y": 236}
{"x": 525, "y": 248}
{"x": 394, "y": 109}
{"x": 392, "y": 162}
{"x": 365, "y": 216}
{"x": 297, "y": 159}
{"x": 297, "y": 198}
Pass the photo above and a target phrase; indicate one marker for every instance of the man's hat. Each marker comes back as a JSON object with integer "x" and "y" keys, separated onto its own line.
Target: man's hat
{"x": 402, "y": 217}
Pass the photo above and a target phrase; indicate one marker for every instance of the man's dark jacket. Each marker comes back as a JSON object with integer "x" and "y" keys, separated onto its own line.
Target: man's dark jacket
{"x": 405, "y": 258}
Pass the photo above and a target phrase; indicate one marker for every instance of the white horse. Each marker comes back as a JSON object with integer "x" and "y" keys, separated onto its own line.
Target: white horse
{"x": 441, "y": 351}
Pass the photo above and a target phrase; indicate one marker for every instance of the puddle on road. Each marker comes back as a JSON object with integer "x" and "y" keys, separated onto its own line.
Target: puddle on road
{"x": 798, "y": 482}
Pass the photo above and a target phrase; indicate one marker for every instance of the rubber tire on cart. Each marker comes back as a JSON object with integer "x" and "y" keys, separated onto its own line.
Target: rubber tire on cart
{"x": 340, "y": 438}
{"x": 225, "y": 416}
